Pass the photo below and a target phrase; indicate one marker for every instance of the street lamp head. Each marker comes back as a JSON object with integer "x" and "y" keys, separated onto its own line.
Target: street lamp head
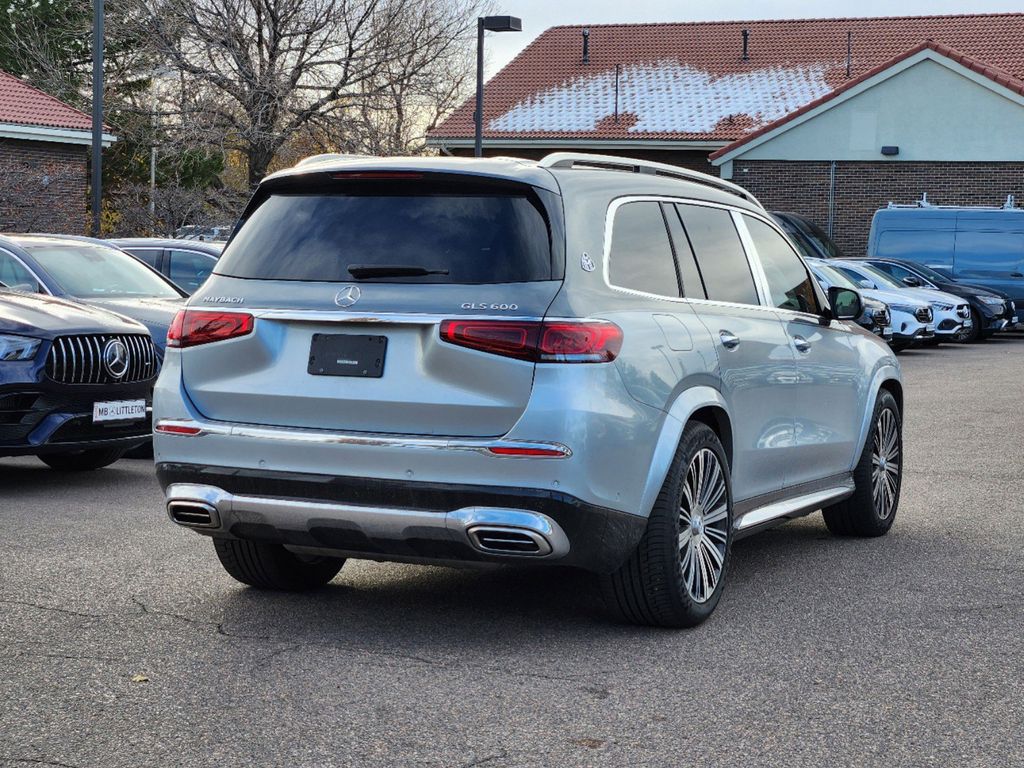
{"x": 502, "y": 23}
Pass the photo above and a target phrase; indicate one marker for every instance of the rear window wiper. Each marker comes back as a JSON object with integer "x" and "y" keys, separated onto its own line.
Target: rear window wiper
{"x": 360, "y": 271}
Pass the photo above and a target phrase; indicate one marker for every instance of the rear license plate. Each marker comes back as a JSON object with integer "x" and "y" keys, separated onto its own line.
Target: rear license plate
{"x": 342, "y": 354}
{"x": 119, "y": 410}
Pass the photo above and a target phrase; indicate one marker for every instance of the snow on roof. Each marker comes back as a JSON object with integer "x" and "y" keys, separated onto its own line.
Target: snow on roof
{"x": 666, "y": 96}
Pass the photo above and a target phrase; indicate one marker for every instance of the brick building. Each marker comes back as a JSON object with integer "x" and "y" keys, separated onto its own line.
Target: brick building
{"x": 44, "y": 147}
{"x": 830, "y": 118}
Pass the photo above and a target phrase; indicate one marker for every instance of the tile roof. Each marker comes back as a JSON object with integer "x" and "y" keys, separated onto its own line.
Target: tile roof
{"x": 1008, "y": 81}
{"x": 688, "y": 81}
{"x": 21, "y": 104}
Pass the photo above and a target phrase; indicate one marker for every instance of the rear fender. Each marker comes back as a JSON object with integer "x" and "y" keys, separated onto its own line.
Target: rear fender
{"x": 688, "y": 403}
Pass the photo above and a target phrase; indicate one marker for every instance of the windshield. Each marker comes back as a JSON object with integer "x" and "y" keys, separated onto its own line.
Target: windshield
{"x": 879, "y": 277}
{"x": 929, "y": 273}
{"x": 834, "y": 276}
{"x": 821, "y": 241}
{"x": 84, "y": 270}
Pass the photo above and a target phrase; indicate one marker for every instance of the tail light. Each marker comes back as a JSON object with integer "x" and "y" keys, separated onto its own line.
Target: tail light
{"x": 555, "y": 341}
{"x": 192, "y": 327}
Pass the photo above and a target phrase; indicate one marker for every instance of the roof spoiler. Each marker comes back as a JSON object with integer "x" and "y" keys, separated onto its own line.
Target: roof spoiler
{"x": 569, "y": 160}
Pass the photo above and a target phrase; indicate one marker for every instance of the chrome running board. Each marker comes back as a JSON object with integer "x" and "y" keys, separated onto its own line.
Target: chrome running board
{"x": 795, "y": 507}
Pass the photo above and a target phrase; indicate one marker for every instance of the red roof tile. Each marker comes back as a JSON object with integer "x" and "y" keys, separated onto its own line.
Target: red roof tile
{"x": 688, "y": 81}
{"x": 21, "y": 104}
{"x": 1007, "y": 81}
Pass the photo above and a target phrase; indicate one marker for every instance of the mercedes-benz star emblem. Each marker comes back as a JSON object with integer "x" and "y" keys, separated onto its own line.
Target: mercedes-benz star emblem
{"x": 115, "y": 358}
{"x": 347, "y": 296}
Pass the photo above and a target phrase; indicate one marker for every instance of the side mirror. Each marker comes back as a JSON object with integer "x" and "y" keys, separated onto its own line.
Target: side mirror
{"x": 845, "y": 303}
{"x": 912, "y": 281}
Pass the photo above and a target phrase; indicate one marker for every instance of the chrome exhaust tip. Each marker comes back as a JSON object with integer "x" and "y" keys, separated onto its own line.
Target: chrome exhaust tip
{"x": 193, "y": 514}
{"x": 501, "y": 540}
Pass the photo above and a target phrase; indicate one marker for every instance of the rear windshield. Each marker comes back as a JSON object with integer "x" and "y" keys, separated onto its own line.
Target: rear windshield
{"x": 449, "y": 237}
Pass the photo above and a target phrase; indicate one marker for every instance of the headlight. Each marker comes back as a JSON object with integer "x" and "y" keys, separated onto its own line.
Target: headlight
{"x": 902, "y": 308}
{"x": 941, "y": 307}
{"x": 992, "y": 301}
{"x": 17, "y": 347}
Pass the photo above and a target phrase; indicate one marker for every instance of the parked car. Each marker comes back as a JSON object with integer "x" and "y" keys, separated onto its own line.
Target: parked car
{"x": 990, "y": 312}
{"x": 911, "y": 321}
{"x": 875, "y": 317}
{"x": 809, "y": 238}
{"x": 980, "y": 246}
{"x": 75, "y": 381}
{"x": 91, "y": 272}
{"x": 952, "y": 315}
{"x": 186, "y": 263}
{"x": 203, "y": 233}
{"x": 447, "y": 360}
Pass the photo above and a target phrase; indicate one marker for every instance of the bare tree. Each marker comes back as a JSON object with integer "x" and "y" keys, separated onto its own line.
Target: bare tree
{"x": 255, "y": 73}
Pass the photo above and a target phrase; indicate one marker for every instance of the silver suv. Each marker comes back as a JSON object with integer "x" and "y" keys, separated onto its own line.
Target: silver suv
{"x": 585, "y": 361}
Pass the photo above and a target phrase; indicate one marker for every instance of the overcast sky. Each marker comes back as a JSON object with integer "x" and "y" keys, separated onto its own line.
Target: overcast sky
{"x": 538, "y": 15}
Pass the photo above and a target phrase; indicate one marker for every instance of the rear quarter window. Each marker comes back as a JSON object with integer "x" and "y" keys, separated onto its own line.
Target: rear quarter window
{"x": 460, "y": 234}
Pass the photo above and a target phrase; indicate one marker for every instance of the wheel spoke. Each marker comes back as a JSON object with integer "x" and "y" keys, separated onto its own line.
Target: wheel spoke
{"x": 713, "y": 553}
{"x": 716, "y": 515}
{"x": 716, "y": 535}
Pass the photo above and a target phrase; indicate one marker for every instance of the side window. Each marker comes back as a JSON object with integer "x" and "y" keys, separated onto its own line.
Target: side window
{"x": 896, "y": 271}
{"x": 693, "y": 286}
{"x": 858, "y": 279}
{"x": 190, "y": 269}
{"x": 15, "y": 275}
{"x": 641, "y": 255}
{"x": 788, "y": 281}
{"x": 146, "y": 255}
{"x": 719, "y": 253}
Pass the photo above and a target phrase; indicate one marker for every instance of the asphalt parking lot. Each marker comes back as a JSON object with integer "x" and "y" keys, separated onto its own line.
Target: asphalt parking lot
{"x": 123, "y": 643}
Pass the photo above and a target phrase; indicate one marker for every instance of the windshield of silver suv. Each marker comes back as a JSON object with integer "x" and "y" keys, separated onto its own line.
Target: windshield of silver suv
{"x": 87, "y": 271}
{"x": 386, "y": 232}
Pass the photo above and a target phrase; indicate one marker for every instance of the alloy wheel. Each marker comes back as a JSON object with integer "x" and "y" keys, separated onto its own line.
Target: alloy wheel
{"x": 703, "y": 525}
{"x": 885, "y": 464}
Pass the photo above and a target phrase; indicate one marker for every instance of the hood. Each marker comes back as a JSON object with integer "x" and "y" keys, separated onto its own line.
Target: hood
{"x": 895, "y": 298}
{"x": 932, "y": 296}
{"x": 155, "y": 314}
{"x": 39, "y": 316}
{"x": 973, "y": 291}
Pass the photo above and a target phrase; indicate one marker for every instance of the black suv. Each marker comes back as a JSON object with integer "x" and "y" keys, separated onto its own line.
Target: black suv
{"x": 75, "y": 382}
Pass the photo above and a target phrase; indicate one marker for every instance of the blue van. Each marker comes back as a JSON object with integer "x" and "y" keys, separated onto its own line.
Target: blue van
{"x": 983, "y": 246}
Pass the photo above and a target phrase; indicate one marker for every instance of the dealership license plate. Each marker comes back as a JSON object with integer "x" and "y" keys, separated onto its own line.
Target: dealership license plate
{"x": 119, "y": 410}
{"x": 343, "y": 354}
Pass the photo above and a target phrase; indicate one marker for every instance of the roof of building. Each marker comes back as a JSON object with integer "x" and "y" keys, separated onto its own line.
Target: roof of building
{"x": 690, "y": 82}
{"x": 22, "y": 104}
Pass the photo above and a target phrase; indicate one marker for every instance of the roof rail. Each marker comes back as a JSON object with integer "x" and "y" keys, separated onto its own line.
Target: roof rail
{"x": 568, "y": 160}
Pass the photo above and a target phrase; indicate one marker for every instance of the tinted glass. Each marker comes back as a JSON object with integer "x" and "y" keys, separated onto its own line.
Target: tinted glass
{"x": 832, "y": 276}
{"x": 85, "y": 270}
{"x": 147, "y": 255}
{"x": 641, "y": 256}
{"x": 693, "y": 286}
{"x": 788, "y": 280}
{"x": 15, "y": 275}
{"x": 898, "y": 272}
{"x": 190, "y": 269}
{"x": 916, "y": 245}
{"x": 494, "y": 238}
{"x": 719, "y": 253}
{"x": 822, "y": 242}
{"x": 802, "y": 243}
{"x": 990, "y": 251}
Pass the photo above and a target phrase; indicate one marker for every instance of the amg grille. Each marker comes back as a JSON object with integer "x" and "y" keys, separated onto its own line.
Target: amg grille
{"x": 80, "y": 359}
{"x": 924, "y": 314}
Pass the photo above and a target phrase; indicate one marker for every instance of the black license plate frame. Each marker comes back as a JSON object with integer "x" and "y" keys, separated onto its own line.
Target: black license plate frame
{"x": 347, "y": 354}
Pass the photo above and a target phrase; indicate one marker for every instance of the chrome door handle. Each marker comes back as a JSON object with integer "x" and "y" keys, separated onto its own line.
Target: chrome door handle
{"x": 729, "y": 340}
{"x": 801, "y": 343}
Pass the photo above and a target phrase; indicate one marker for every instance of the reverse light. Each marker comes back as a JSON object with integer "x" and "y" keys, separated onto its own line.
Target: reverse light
{"x": 554, "y": 341}
{"x": 192, "y": 327}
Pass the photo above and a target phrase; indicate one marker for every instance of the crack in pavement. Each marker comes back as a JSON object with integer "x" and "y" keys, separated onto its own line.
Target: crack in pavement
{"x": 35, "y": 761}
{"x": 54, "y": 609}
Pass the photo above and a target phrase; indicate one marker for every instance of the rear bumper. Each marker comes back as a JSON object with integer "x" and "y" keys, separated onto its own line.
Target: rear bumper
{"x": 399, "y": 520}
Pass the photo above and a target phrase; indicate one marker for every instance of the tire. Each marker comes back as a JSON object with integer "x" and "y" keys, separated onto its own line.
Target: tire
{"x": 271, "y": 566}
{"x": 871, "y": 509}
{"x": 975, "y": 334}
{"x": 82, "y": 461}
{"x": 660, "y": 585}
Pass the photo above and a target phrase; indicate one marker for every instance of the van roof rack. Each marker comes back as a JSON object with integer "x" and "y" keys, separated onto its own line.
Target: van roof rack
{"x": 1009, "y": 205}
{"x": 569, "y": 160}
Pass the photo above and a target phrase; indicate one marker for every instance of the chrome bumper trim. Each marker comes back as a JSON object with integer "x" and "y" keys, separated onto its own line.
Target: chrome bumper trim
{"x": 324, "y": 437}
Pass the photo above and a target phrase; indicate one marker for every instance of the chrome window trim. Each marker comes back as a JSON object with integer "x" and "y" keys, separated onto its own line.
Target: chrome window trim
{"x": 42, "y": 286}
{"x": 618, "y": 202}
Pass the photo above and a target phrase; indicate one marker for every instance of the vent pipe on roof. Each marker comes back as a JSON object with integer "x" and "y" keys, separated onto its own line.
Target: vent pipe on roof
{"x": 586, "y": 46}
{"x": 617, "y": 69}
{"x": 849, "y": 53}
{"x": 746, "y": 45}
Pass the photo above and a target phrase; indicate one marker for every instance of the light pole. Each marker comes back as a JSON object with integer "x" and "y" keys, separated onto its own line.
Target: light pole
{"x": 97, "y": 115}
{"x": 487, "y": 24}
{"x": 159, "y": 72}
